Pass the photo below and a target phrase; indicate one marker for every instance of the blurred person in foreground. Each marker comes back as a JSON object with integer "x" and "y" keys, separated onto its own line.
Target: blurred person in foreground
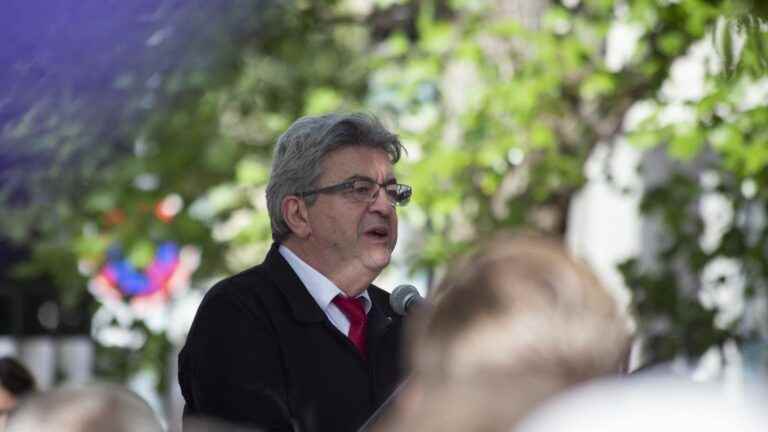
{"x": 304, "y": 341}
{"x": 511, "y": 325}
{"x": 652, "y": 401}
{"x": 93, "y": 408}
{"x": 15, "y": 382}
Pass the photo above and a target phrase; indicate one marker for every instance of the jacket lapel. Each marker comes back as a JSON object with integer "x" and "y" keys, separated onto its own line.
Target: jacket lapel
{"x": 304, "y": 308}
{"x": 380, "y": 320}
{"x": 302, "y": 305}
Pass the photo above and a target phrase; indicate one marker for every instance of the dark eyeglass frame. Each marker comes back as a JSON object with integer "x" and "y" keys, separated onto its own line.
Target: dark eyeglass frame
{"x": 398, "y": 197}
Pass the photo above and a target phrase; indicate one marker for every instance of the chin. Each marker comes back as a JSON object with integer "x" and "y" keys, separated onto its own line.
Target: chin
{"x": 378, "y": 260}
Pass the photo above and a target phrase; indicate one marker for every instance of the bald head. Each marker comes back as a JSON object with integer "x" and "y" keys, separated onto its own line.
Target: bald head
{"x": 93, "y": 408}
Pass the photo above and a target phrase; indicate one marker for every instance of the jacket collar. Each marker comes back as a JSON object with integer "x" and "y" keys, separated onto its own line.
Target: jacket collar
{"x": 303, "y": 306}
{"x": 301, "y": 303}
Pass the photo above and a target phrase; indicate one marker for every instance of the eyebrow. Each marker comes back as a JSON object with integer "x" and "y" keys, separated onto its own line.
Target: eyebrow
{"x": 391, "y": 180}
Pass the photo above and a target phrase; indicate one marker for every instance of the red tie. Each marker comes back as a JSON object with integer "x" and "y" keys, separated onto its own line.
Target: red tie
{"x": 355, "y": 312}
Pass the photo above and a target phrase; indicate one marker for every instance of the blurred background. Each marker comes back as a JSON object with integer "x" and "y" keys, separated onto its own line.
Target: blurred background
{"x": 136, "y": 140}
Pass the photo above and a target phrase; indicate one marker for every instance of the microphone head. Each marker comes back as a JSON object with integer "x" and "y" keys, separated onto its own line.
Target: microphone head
{"x": 402, "y": 297}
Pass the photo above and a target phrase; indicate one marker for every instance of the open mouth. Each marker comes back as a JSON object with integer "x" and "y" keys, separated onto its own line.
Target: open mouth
{"x": 380, "y": 232}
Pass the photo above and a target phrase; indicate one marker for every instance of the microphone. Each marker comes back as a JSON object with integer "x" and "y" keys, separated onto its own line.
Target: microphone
{"x": 404, "y": 297}
{"x": 402, "y": 300}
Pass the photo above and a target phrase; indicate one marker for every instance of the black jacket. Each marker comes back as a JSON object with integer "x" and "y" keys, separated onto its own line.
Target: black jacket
{"x": 262, "y": 353}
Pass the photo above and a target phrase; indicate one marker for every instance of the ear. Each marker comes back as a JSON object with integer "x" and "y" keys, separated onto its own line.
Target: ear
{"x": 296, "y": 216}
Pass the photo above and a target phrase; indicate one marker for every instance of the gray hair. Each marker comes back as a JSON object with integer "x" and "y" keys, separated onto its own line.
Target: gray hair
{"x": 300, "y": 150}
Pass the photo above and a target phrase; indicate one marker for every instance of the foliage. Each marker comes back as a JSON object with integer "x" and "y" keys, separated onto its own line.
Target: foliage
{"x": 499, "y": 117}
{"x": 503, "y": 116}
{"x": 208, "y": 145}
{"x": 62, "y": 125}
{"x": 707, "y": 284}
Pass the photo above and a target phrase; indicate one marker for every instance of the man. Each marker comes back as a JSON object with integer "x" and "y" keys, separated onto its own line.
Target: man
{"x": 304, "y": 341}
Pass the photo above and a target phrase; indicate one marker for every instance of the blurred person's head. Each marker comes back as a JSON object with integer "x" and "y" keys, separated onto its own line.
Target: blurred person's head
{"x": 516, "y": 321}
{"x": 93, "y": 408}
{"x": 652, "y": 402}
{"x": 15, "y": 382}
{"x": 478, "y": 404}
{"x": 210, "y": 424}
{"x": 522, "y": 301}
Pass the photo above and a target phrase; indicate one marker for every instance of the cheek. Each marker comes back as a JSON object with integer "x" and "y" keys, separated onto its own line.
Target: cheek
{"x": 394, "y": 229}
{"x": 328, "y": 221}
{"x": 341, "y": 224}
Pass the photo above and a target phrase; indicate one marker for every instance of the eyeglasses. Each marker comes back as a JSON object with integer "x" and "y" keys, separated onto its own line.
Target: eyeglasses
{"x": 367, "y": 190}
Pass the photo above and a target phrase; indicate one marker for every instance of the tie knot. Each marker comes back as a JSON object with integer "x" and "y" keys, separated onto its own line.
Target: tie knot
{"x": 352, "y": 307}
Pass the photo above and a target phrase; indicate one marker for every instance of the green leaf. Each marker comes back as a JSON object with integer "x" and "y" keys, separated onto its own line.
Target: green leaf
{"x": 437, "y": 37}
{"x": 101, "y": 201}
{"x": 506, "y": 28}
{"x": 672, "y": 43}
{"x": 322, "y": 100}
{"x": 598, "y": 84}
{"x": 251, "y": 171}
{"x": 645, "y": 139}
{"x": 687, "y": 143}
{"x": 141, "y": 253}
{"x": 542, "y": 136}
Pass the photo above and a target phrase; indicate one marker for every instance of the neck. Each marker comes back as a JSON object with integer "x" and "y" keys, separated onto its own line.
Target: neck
{"x": 351, "y": 279}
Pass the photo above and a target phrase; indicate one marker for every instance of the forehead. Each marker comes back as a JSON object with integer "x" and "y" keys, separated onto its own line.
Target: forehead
{"x": 357, "y": 160}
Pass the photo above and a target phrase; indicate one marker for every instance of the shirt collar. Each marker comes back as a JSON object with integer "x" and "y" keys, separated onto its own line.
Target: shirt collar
{"x": 320, "y": 287}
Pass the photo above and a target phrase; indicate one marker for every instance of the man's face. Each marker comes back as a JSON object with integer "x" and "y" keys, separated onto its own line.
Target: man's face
{"x": 348, "y": 232}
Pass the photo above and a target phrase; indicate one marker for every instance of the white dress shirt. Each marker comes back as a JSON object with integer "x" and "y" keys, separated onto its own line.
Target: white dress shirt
{"x": 322, "y": 290}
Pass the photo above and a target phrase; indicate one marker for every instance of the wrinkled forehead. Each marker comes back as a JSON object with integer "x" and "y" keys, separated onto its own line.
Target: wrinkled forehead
{"x": 357, "y": 161}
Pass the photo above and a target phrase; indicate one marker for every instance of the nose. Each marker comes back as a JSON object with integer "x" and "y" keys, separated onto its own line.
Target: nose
{"x": 381, "y": 204}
